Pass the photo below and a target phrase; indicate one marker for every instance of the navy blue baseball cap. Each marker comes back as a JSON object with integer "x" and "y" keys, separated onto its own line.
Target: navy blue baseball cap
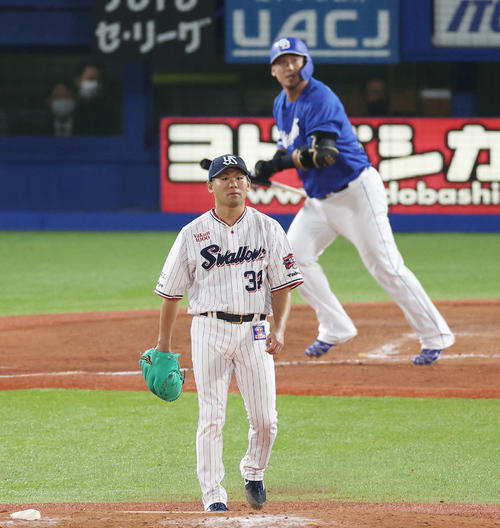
{"x": 227, "y": 161}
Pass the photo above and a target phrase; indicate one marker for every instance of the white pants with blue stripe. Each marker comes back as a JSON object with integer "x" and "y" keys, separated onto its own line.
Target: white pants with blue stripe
{"x": 359, "y": 214}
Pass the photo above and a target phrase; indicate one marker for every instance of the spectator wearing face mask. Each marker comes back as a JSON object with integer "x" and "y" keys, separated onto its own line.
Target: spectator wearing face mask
{"x": 62, "y": 106}
{"x": 57, "y": 116}
{"x": 96, "y": 113}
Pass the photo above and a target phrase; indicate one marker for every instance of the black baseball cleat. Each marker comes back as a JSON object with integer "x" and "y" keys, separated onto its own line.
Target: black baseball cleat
{"x": 217, "y": 507}
{"x": 255, "y": 493}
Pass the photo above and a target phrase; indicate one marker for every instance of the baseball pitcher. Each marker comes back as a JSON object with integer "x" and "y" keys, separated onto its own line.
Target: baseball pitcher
{"x": 237, "y": 267}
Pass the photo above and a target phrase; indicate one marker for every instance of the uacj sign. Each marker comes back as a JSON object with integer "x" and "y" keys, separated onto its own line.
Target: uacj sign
{"x": 428, "y": 165}
{"x": 334, "y": 30}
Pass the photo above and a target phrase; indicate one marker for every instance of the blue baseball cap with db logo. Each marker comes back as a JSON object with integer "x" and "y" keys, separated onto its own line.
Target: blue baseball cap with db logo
{"x": 227, "y": 161}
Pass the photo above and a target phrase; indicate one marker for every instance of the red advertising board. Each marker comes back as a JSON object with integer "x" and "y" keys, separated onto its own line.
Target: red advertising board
{"x": 429, "y": 165}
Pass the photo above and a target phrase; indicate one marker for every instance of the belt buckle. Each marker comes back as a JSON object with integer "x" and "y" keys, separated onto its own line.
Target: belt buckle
{"x": 238, "y": 322}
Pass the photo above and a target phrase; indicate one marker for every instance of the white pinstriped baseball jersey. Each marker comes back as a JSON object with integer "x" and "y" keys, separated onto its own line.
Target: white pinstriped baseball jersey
{"x": 212, "y": 261}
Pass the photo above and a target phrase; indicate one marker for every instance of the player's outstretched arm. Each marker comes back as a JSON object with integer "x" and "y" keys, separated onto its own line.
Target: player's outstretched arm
{"x": 281, "y": 301}
{"x": 168, "y": 314}
{"x": 323, "y": 152}
{"x": 265, "y": 169}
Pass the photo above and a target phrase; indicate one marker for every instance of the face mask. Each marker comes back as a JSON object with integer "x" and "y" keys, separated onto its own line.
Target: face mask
{"x": 62, "y": 107}
{"x": 89, "y": 88}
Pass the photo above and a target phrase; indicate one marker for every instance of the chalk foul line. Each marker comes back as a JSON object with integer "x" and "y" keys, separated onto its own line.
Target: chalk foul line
{"x": 374, "y": 359}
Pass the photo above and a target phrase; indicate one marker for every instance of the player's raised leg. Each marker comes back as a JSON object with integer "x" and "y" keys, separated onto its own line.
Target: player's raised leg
{"x": 377, "y": 248}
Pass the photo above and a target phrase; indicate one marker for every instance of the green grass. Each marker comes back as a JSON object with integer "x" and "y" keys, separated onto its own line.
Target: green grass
{"x": 49, "y": 272}
{"x": 70, "y": 445}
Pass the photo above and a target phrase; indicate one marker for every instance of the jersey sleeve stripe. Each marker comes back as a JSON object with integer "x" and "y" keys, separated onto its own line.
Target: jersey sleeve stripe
{"x": 166, "y": 296}
{"x": 291, "y": 285}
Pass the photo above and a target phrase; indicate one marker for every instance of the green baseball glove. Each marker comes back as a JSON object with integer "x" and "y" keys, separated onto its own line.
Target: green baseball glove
{"x": 162, "y": 374}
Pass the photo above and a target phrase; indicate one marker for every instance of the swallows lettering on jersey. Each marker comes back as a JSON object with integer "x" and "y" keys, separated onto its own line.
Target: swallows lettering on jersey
{"x": 213, "y": 255}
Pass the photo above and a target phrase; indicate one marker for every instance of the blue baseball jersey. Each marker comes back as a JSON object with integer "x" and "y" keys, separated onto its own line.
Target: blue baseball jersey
{"x": 319, "y": 109}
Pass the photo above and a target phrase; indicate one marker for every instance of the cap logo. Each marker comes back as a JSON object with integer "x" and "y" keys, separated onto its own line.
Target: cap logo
{"x": 230, "y": 160}
{"x": 283, "y": 44}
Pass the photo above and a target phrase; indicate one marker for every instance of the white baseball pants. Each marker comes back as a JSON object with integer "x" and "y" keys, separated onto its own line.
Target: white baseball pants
{"x": 359, "y": 213}
{"x": 220, "y": 348}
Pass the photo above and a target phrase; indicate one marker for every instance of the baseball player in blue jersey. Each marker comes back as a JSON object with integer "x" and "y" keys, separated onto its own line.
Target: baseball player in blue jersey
{"x": 346, "y": 197}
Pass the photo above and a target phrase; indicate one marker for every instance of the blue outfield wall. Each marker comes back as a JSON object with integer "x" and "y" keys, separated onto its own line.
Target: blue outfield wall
{"x": 86, "y": 185}
{"x": 155, "y": 221}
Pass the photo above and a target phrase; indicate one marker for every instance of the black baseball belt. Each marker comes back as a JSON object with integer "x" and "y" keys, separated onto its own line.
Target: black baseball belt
{"x": 235, "y": 318}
